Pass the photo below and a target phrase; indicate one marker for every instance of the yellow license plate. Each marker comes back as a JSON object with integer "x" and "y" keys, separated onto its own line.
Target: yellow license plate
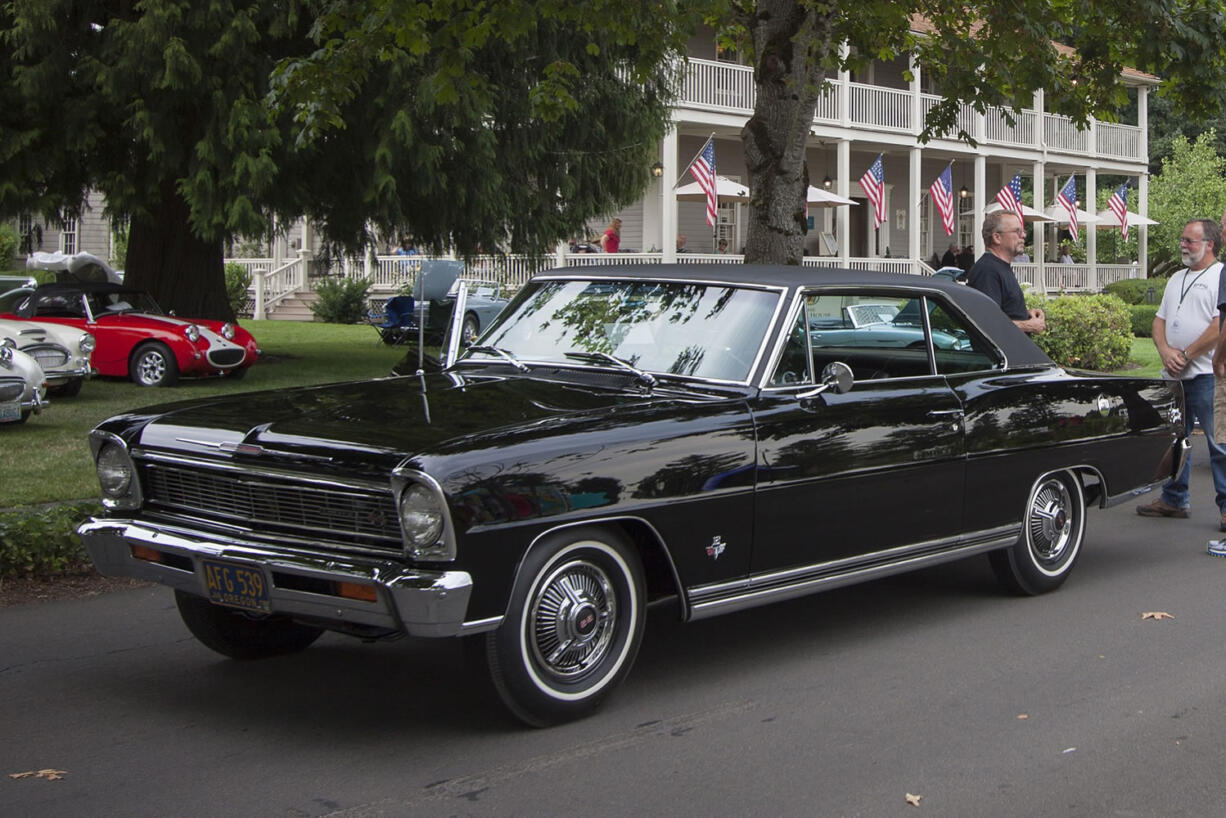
{"x": 235, "y": 585}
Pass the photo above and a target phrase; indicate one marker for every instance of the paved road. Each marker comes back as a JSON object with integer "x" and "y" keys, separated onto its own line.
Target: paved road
{"x": 934, "y": 684}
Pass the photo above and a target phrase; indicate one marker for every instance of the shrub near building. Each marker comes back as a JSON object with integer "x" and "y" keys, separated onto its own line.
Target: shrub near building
{"x": 1085, "y": 332}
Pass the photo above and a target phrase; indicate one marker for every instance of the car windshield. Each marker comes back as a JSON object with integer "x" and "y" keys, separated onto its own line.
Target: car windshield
{"x": 110, "y": 303}
{"x": 700, "y": 330}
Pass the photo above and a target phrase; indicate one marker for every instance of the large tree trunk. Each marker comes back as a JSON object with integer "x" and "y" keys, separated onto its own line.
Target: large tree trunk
{"x": 183, "y": 272}
{"x": 790, "y": 42}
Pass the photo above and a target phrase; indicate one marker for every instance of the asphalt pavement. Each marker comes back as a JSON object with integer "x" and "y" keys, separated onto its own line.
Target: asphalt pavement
{"x": 934, "y": 685}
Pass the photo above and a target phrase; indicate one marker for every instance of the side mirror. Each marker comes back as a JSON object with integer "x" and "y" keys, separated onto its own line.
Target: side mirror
{"x": 837, "y": 375}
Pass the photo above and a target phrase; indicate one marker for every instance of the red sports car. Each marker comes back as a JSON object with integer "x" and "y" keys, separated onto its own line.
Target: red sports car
{"x": 135, "y": 338}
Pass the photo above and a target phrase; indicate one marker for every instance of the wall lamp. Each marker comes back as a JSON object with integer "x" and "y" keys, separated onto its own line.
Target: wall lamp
{"x": 657, "y": 170}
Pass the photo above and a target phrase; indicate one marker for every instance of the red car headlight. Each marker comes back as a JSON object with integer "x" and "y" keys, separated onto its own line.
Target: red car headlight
{"x": 227, "y": 331}
{"x": 192, "y": 332}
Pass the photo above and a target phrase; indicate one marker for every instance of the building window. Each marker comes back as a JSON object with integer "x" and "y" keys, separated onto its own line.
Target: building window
{"x": 727, "y": 54}
{"x": 68, "y": 237}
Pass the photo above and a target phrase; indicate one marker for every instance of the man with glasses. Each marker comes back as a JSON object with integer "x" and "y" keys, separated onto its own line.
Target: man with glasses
{"x": 1185, "y": 331}
{"x": 992, "y": 274}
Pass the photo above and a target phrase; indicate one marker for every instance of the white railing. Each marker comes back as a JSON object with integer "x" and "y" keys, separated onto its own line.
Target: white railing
{"x": 1111, "y": 273}
{"x": 965, "y": 119}
{"x": 882, "y": 107}
{"x": 271, "y": 287}
{"x": 1117, "y": 140}
{"x": 1067, "y": 278}
{"x": 1059, "y": 133}
{"x": 727, "y": 87}
{"x": 1021, "y": 132}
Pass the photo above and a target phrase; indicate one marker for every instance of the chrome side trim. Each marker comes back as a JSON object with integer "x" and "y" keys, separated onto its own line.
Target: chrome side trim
{"x": 480, "y": 625}
{"x": 777, "y": 586}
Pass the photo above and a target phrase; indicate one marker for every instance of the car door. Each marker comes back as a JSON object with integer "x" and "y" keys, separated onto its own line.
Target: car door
{"x": 850, "y": 477}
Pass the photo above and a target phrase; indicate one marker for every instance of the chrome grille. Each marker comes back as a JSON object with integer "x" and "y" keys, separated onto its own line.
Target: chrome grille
{"x": 349, "y": 517}
{"x": 11, "y": 390}
{"x": 49, "y": 356}
{"x": 226, "y": 357}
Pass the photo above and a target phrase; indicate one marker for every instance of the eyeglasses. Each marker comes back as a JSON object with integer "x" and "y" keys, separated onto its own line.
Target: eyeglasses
{"x": 1191, "y": 241}
{"x": 1019, "y": 230}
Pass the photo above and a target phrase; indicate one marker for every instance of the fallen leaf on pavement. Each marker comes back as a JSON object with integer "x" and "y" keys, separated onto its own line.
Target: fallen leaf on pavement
{"x": 1156, "y": 615}
{"x": 914, "y": 800}
{"x": 48, "y": 775}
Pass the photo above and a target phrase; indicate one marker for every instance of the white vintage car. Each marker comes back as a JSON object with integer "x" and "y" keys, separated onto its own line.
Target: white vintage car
{"x": 23, "y": 386}
{"x": 63, "y": 352}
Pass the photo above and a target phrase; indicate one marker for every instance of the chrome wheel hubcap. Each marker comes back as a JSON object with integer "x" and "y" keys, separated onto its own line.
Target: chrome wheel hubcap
{"x": 151, "y": 367}
{"x": 573, "y": 619}
{"x": 1050, "y": 526}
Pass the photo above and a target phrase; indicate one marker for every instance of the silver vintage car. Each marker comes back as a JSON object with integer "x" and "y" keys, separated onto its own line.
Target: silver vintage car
{"x": 63, "y": 352}
{"x": 23, "y": 386}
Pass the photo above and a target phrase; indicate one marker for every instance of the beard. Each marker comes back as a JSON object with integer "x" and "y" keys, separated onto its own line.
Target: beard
{"x": 1189, "y": 258}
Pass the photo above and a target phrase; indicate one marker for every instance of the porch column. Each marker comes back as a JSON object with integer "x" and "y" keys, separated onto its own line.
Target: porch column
{"x": 1143, "y": 182}
{"x": 844, "y": 190}
{"x": 1039, "y": 229}
{"x": 981, "y": 165}
{"x": 653, "y": 213}
{"x": 913, "y": 208}
{"x": 844, "y": 90}
{"x": 1091, "y": 229}
{"x": 668, "y": 208}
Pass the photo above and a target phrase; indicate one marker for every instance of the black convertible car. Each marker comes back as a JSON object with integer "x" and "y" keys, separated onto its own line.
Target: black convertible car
{"x": 619, "y": 437}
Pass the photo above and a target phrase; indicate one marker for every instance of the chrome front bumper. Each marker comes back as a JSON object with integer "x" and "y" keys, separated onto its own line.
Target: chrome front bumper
{"x": 412, "y": 601}
{"x": 58, "y": 377}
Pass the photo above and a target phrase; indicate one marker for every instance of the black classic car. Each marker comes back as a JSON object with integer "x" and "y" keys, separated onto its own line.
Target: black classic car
{"x": 616, "y": 438}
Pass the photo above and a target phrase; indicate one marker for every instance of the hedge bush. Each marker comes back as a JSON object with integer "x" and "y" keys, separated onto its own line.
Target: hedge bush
{"x": 341, "y": 300}
{"x": 8, "y": 246}
{"x": 238, "y": 279}
{"x": 38, "y": 542}
{"x": 1137, "y": 290}
{"x": 1143, "y": 319}
{"x": 1086, "y": 331}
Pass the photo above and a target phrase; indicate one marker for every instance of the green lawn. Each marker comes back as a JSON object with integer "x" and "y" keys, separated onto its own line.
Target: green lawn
{"x": 47, "y": 459}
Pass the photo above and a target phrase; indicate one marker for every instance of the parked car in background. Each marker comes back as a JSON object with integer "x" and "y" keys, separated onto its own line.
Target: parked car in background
{"x": 433, "y": 300}
{"x": 623, "y": 436}
{"x": 23, "y": 387}
{"x": 134, "y": 337}
{"x": 63, "y": 352}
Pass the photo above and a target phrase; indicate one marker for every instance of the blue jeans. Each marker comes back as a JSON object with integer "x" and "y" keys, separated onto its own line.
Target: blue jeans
{"x": 1198, "y": 398}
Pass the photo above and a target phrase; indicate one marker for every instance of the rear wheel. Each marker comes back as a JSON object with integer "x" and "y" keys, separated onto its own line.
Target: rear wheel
{"x": 469, "y": 330}
{"x": 153, "y": 364}
{"x": 1053, "y": 530}
{"x": 241, "y": 635}
{"x": 573, "y": 627}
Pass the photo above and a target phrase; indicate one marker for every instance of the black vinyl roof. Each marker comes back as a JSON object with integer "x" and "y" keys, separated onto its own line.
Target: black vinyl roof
{"x": 1016, "y": 345}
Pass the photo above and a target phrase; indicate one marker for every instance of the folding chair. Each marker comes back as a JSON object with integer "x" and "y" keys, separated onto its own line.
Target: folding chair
{"x": 399, "y": 321}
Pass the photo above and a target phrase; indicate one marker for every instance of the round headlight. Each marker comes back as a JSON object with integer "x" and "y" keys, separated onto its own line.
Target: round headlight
{"x": 114, "y": 471}
{"x": 421, "y": 518}
{"x": 227, "y": 331}
{"x": 87, "y": 343}
{"x": 192, "y": 332}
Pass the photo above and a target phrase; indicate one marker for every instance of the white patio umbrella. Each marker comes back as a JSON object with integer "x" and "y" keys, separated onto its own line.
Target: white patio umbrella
{"x": 1059, "y": 215}
{"x": 726, "y": 189}
{"x": 1029, "y": 213}
{"x": 818, "y": 197}
{"x": 1107, "y": 218}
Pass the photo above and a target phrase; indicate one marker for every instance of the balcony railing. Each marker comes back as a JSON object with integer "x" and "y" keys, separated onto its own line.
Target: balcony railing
{"x": 728, "y": 88}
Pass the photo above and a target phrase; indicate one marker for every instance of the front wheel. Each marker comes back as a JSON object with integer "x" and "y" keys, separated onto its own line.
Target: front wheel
{"x": 240, "y": 635}
{"x": 153, "y": 364}
{"x": 573, "y": 627}
{"x": 469, "y": 330}
{"x": 1053, "y": 530}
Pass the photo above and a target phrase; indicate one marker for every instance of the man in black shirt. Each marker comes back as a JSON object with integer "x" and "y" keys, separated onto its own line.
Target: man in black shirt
{"x": 992, "y": 274}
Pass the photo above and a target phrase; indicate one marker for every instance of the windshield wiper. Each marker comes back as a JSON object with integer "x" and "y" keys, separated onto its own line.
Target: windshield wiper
{"x": 501, "y": 353}
{"x": 604, "y": 357}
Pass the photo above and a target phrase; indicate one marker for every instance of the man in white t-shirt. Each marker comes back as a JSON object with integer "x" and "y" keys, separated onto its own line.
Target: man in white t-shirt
{"x": 1186, "y": 333}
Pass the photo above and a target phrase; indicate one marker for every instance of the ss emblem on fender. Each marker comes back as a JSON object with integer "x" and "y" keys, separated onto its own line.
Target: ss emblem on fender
{"x": 716, "y": 548}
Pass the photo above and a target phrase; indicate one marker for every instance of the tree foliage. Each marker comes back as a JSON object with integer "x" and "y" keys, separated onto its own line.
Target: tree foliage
{"x": 1191, "y": 185}
{"x": 495, "y": 125}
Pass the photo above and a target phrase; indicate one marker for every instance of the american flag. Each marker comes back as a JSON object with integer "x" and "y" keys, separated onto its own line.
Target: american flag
{"x": 703, "y": 170}
{"x": 1010, "y": 196}
{"x": 1119, "y": 206}
{"x": 873, "y": 182}
{"x": 1068, "y": 197}
{"x": 942, "y": 191}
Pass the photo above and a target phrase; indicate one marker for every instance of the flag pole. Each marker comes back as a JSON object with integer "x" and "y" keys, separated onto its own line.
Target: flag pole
{"x": 691, "y": 162}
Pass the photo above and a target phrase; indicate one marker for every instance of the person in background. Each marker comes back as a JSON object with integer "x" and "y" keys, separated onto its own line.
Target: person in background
{"x": 1022, "y": 258}
{"x": 1066, "y": 256}
{"x": 722, "y": 247}
{"x": 612, "y": 238}
{"x": 966, "y": 258}
{"x": 992, "y": 274}
{"x": 1185, "y": 331}
{"x": 950, "y": 259}
{"x": 681, "y": 248}
{"x": 406, "y": 247}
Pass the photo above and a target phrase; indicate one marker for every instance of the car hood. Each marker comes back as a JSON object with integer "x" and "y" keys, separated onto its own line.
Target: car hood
{"x": 373, "y": 426}
{"x": 29, "y": 332}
